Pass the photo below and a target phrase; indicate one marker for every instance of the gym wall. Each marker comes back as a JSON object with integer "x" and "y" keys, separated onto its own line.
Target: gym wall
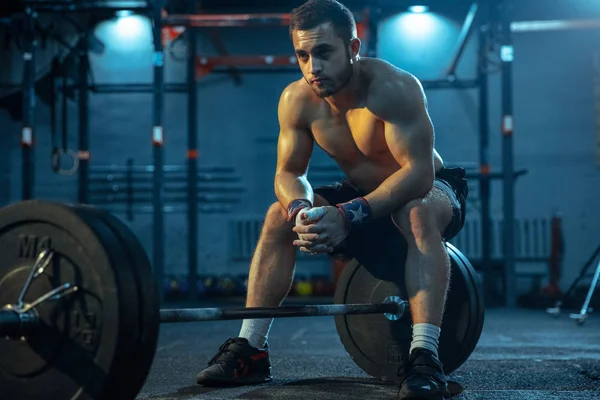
{"x": 554, "y": 129}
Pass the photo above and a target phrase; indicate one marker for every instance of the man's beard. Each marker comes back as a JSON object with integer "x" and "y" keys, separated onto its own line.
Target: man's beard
{"x": 330, "y": 91}
{"x": 347, "y": 76}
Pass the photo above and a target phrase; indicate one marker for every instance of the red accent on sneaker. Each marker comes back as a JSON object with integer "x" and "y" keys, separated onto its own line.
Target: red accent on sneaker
{"x": 259, "y": 356}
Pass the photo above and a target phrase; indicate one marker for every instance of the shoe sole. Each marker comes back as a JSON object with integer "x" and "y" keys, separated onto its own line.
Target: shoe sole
{"x": 217, "y": 382}
{"x": 415, "y": 396}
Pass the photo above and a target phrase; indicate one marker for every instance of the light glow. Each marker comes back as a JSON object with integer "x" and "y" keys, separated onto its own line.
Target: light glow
{"x": 418, "y": 9}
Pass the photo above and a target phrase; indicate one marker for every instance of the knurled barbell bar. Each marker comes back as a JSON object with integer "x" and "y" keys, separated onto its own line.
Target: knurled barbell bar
{"x": 16, "y": 320}
{"x": 82, "y": 311}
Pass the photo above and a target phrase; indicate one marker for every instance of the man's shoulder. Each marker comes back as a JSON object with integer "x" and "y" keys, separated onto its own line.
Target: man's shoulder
{"x": 296, "y": 93}
{"x": 295, "y": 103}
{"x": 384, "y": 76}
{"x": 391, "y": 87}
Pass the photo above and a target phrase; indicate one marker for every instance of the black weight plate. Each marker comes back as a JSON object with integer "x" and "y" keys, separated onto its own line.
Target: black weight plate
{"x": 120, "y": 386}
{"x": 475, "y": 329}
{"x": 463, "y": 306}
{"x": 380, "y": 346}
{"x": 149, "y": 301}
{"x": 81, "y": 338}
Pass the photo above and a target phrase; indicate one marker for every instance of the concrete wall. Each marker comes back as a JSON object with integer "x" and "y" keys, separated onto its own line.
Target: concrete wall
{"x": 555, "y": 134}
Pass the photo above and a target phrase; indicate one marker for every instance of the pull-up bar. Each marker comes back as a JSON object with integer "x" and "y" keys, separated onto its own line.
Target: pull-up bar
{"x": 226, "y": 20}
{"x": 206, "y": 65}
{"x": 555, "y": 25}
{"x": 231, "y": 20}
{"x": 61, "y": 6}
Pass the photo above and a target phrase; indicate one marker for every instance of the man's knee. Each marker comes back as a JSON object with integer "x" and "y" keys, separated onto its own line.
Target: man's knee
{"x": 276, "y": 222}
{"x": 276, "y": 215}
{"x": 417, "y": 220}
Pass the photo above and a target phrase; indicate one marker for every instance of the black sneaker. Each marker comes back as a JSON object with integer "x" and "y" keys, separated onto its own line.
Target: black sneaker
{"x": 236, "y": 363}
{"x": 423, "y": 377}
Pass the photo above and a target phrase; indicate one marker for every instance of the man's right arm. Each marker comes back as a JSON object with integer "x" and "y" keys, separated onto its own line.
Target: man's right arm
{"x": 294, "y": 150}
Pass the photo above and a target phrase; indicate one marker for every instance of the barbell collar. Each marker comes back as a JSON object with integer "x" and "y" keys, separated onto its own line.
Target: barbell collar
{"x": 14, "y": 324}
{"x": 221, "y": 314}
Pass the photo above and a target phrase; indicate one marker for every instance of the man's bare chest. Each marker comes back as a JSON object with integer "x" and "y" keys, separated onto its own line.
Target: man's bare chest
{"x": 355, "y": 134}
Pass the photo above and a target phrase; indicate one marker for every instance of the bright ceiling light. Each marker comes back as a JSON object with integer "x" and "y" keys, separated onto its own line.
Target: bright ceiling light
{"x": 418, "y": 9}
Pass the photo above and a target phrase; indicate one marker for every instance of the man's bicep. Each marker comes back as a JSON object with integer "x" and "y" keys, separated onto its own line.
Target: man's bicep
{"x": 411, "y": 141}
{"x": 409, "y": 131}
{"x": 295, "y": 143}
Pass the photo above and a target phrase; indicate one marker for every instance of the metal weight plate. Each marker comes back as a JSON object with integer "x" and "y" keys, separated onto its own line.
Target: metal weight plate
{"x": 148, "y": 298}
{"x": 119, "y": 385}
{"x": 380, "y": 346}
{"x": 81, "y": 338}
{"x": 476, "y": 327}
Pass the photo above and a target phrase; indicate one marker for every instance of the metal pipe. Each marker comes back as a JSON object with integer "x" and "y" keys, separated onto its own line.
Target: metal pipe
{"x": 220, "y": 314}
{"x": 29, "y": 104}
{"x": 136, "y": 88}
{"x": 192, "y": 157}
{"x": 230, "y": 20}
{"x": 291, "y": 69}
{"x": 226, "y": 20}
{"x": 62, "y": 6}
{"x": 130, "y": 191}
{"x": 507, "y": 58}
{"x": 491, "y": 176}
{"x": 84, "y": 124}
{"x": 467, "y": 28}
{"x": 590, "y": 293}
{"x": 484, "y": 140}
{"x": 582, "y": 274}
{"x": 158, "y": 237}
{"x": 450, "y": 84}
{"x": 371, "y": 23}
{"x": 554, "y": 25}
{"x": 211, "y": 61}
{"x": 174, "y": 169}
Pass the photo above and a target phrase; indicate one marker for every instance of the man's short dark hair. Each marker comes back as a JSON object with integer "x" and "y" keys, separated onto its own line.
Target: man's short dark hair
{"x": 316, "y": 12}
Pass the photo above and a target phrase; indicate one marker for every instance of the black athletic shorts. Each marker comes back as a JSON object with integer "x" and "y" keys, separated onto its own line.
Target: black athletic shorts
{"x": 376, "y": 237}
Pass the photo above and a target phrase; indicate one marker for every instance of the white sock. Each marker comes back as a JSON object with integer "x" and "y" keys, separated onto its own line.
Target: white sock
{"x": 425, "y": 336}
{"x": 256, "y": 331}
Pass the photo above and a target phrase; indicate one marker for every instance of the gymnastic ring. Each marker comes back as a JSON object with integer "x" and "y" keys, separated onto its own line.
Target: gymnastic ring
{"x": 57, "y": 155}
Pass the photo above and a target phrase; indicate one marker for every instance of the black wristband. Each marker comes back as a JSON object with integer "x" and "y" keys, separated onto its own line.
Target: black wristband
{"x": 296, "y": 206}
{"x": 357, "y": 212}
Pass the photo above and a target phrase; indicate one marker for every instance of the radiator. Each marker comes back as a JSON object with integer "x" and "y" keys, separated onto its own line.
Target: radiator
{"x": 532, "y": 238}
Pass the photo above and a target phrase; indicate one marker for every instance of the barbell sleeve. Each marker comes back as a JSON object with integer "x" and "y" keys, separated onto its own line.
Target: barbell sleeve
{"x": 10, "y": 323}
{"x": 14, "y": 324}
{"x": 220, "y": 314}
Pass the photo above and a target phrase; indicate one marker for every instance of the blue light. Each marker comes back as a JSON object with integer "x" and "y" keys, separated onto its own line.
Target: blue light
{"x": 418, "y": 9}
{"x": 422, "y": 43}
{"x": 419, "y": 27}
{"x": 124, "y": 13}
{"x": 126, "y": 34}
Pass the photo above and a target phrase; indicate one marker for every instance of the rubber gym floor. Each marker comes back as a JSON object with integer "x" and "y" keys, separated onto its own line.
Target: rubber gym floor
{"x": 522, "y": 354}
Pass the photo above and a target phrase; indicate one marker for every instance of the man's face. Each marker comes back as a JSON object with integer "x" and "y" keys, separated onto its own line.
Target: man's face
{"x": 324, "y": 59}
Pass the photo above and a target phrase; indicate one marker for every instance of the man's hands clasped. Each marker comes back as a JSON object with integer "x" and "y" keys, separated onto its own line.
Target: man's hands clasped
{"x": 320, "y": 229}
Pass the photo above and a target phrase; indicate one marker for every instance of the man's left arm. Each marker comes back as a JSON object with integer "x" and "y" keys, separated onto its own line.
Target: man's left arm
{"x": 402, "y": 106}
{"x": 409, "y": 134}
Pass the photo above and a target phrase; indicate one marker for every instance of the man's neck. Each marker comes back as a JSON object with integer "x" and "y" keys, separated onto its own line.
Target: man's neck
{"x": 350, "y": 96}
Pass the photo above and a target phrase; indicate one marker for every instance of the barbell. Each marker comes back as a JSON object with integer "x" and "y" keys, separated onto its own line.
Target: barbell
{"x": 80, "y": 312}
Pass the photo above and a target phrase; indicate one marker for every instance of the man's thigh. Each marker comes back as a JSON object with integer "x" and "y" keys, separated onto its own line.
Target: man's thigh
{"x": 338, "y": 192}
{"x": 453, "y": 198}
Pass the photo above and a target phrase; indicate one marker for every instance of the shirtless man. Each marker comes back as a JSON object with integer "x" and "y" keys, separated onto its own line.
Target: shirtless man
{"x": 372, "y": 119}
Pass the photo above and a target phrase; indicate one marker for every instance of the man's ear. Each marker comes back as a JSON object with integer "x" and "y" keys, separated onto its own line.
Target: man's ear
{"x": 354, "y": 49}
